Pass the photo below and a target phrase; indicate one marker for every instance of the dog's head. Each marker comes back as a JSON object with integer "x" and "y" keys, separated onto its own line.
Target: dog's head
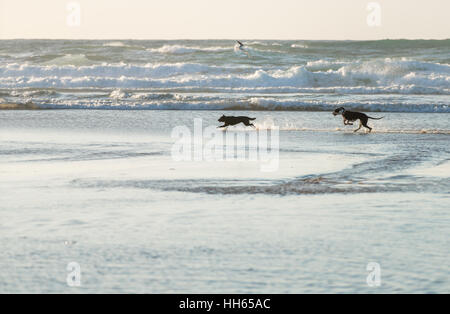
{"x": 222, "y": 118}
{"x": 338, "y": 111}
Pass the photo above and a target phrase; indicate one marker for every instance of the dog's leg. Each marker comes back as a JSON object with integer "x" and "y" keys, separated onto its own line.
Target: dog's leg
{"x": 222, "y": 126}
{"x": 247, "y": 123}
{"x": 368, "y": 127}
{"x": 360, "y": 126}
{"x": 364, "y": 123}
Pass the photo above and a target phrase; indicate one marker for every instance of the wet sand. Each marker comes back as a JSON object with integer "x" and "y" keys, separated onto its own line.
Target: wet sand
{"x": 100, "y": 188}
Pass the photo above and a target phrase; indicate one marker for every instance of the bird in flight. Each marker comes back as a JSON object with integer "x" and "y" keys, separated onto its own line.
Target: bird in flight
{"x": 241, "y": 47}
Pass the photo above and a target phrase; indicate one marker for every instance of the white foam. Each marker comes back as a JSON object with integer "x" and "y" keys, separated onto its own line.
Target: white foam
{"x": 106, "y": 70}
{"x": 325, "y": 65}
{"x": 180, "y": 49}
{"x": 114, "y": 44}
{"x": 376, "y": 77}
{"x": 401, "y": 76}
{"x": 119, "y": 99}
{"x": 118, "y": 94}
{"x": 302, "y": 46}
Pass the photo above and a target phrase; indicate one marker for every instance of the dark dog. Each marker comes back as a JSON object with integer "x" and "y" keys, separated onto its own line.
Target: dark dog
{"x": 235, "y": 120}
{"x": 350, "y": 116}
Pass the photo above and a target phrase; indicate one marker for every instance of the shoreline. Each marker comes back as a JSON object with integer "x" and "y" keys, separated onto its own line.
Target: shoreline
{"x": 12, "y": 107}
{"x": 20, "y": 107}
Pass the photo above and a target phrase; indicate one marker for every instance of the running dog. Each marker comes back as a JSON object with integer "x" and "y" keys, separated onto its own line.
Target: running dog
{"x": 235, "y": 120}
{"x": 350, "y": 116}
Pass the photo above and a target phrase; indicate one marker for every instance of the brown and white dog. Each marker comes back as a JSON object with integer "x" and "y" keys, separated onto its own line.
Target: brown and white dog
{"x": 351, "y": 116}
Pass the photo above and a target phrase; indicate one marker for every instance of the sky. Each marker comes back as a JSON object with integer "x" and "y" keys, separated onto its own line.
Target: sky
{"x": 225, "y": 19}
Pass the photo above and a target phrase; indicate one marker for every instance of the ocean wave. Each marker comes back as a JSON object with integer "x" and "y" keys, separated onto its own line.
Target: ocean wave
{"x": 114, "y": 44}
{"x": 120, "y": 44}
{"x": 256, "y": 103}
{"x": 118, "y": 94}
{"x": 278, "y": 75}
{"x": 325, "y": 65}
{"x": 70, "y": 59}
{"x": 122, "y": 100}
{"x": 180, "y": 49}
{"x": 108, "y": 70}
{"x": 399, "y": 76}
{"x": 302, "y": 46}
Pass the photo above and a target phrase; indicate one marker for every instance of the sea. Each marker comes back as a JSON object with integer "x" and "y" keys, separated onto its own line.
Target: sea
{"x": 386, "y": 75}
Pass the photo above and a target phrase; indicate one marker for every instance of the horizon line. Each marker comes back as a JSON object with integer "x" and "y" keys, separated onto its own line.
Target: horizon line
{"x": 230, "y": 39}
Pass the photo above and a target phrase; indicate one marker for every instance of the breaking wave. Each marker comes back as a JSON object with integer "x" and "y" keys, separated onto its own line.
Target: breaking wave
{"x": 180, "y": 49}
{"x": 386, "y": 76}
{"x": 211, "y": 75}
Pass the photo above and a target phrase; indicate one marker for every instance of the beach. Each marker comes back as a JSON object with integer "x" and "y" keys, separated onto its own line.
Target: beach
{"x": 101, "y": 189}
{"x": 112, "y": 167}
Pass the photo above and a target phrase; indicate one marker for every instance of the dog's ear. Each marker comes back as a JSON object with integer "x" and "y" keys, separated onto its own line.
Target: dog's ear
{"x": 338, "y": 111}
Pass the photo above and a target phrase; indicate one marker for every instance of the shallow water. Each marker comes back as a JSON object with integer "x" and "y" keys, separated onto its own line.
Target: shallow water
{"x": 100, "y": 188}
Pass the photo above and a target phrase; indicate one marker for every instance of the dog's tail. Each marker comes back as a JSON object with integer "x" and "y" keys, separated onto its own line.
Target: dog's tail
{"x": 252, "y": 119}
{"x": 375, "y": 118}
